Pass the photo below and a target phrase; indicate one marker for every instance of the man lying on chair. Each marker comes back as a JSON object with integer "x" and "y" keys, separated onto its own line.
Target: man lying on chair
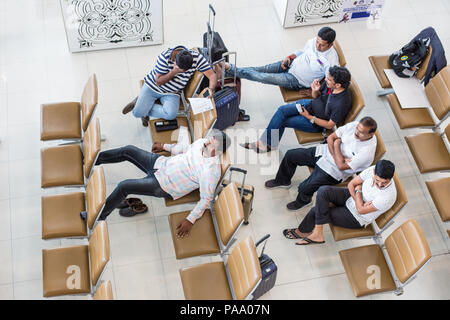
{"x": 191, "y": 167}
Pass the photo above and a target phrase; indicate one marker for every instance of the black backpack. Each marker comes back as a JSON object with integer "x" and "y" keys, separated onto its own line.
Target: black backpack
{"x": 409, "y": 57}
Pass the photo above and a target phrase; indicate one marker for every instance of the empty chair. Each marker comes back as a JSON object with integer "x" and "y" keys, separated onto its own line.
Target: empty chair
{"x": 370, "y": 270}
{"x": 438, "y": 95}
{"x": 104, "y": 291}
{"x": 236, "y": 279}
{"x": 430, "y": 151}
{"x": 439, "y": 191}
{"x": 357, "y": 105}
{"x": 69, "y": 165}
{"x": 61, "y": 212}
{"x": 215, "y": 231}
{"x": 294, "y": 95}
{"x": 76, "y": 269}
{"x": 382, "y": 222}
{"x": 68, "y": 120}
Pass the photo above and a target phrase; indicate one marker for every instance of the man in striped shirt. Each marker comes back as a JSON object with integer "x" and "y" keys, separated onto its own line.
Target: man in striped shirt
{"x": 191, "y": 167}
{"x": 174, "y": 67}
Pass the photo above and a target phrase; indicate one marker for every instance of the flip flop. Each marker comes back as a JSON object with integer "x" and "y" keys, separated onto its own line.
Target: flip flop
{"x": 290, "y": 234}
{"x": 308, "y": 241}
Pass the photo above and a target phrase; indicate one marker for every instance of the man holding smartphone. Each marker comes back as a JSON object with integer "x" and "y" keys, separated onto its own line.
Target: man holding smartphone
{"x": 331, "y": 104}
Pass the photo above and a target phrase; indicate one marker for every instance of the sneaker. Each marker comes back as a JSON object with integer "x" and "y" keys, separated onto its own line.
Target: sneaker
{"x": 145, "y": 121}
{"x": 270, "y": 184}
{"x": 129, "y": 106}
{"x": 133, "y": 210}
{"x": 294, "y": 206}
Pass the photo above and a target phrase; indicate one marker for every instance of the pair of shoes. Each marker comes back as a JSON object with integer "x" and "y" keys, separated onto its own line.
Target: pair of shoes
{"x": 308, "y": 241}
{"x": 270, "y": 184}
{"x": 129, "y": 202}
{"x": 145, "y": 121}
{"x": 291, "y": 234}
{"x": 294, "y": 205}
{"x": 129, "y": 106}
{"x": 253, "y": 146}
{"x": 133, "y": 210}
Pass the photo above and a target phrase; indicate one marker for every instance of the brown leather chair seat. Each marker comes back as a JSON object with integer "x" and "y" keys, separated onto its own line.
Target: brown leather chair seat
{"x": 379, "y": 63}
{"x": 439, "y": 191}
{"x": 409, "y": 118}
{"x": 64, "y": 165}
{"x": 169, "y": 136}
{"x": 85, "y": 262}
{"x": 203, "y": 238}
{"x": 67, "y": 120}
{"x": 407, "y": 250}
{"x": 210, "y": 281}
{"x": 438, "y": 93}
{"x": 429, "y": 151}
{"x": 104, "y": 291}
{"x": 61, "y": 212}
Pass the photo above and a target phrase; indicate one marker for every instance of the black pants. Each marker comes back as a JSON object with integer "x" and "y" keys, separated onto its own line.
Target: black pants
{"x": 148, "y": 186}
{"x": 322, "y": 213}
{"x": 304, "y": 157}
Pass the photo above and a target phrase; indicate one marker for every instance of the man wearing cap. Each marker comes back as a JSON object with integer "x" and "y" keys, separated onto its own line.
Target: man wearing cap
{"x": 174, "y": 67}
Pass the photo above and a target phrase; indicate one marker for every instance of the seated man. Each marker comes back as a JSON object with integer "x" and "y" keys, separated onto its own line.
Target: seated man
{"x": 332, "y": 101}
{"x": 195, "y": 166}
{"x": 367, "y": 196}
{"x": 173, "y": 69}
{"x": 298, "y": 70}
{"x": 350, "y": 149}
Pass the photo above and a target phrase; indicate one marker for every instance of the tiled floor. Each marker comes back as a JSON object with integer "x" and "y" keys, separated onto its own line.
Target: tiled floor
{"x": 36, "y": 67}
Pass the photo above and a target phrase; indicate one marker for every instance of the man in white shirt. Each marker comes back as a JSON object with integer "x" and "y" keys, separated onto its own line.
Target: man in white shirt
{"x": 350, "y": 149}
{"x": 298, "y": 70}
{"x": 367, "y": 196}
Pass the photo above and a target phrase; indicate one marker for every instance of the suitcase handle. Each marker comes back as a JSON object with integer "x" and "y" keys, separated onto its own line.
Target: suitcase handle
{"x": 210, "y": 37}
{"x": 224, "y": 55}
{"x": 267, "y": 236}
{"x": 244, "y": 172}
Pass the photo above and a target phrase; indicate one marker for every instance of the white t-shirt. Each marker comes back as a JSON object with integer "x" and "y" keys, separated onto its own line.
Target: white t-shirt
{"x": 382, "y": 199}
{"x": 311, "y": 64}
{"x": 362, "y": 153}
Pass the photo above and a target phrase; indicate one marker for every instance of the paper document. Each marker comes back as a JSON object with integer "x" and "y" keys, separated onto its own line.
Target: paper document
{"x": 409, "y": 91}
{"x": 200, "y": 105}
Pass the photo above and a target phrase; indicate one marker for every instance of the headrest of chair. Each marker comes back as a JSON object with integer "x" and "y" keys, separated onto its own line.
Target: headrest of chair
{"x": 424, "y": 65}
{"x": 202, "y": 122}
{"x": 337, "y": 47}
{"x": 91, "y": 145}
{"x": 224, "y": 164}
{"x": 381, "y": 147}
{"x": 95, "y": 195}
{"x": 408, "y": 249}
{"x": 193, "y": 83}
{"x": 447, "y": 131}
{"x": 99, "y": 251}
{"x": 438, "y": 92}
{"x": 357, "y": 101}
{"x": 229, "y": 212}
{"x": 89, "y": 100}
{"x": 104, "y": 291}
{"x": 243, "y": 265}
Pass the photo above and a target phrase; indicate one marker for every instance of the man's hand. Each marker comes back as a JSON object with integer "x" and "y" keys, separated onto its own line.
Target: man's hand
{"x": 337, "y": 143}
{"x": 347, "y": 160}
{"x": 358, "y": 187}
{"x": 315, "y": 85}
{"x": 286, "y": 63}
{"x": 157, "y": 147}
{"x": 304, "y": 112}
{"x": 183, "y": 228}
{"x": 176, "y": 69}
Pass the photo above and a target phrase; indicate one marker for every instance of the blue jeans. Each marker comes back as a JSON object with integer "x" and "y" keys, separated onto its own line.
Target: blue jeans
{"x": 146, "y": 106}
{"x": 268, "y": 74}
{"x": 287, "y": 116}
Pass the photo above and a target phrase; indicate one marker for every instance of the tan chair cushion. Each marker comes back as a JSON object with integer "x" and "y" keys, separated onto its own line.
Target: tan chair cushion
{"x": 191, "y": 197}
{"x": 340, "y": 233}
{"x": 170, "y": 136}
{"x": 310, "y": 137}
{"x": 438, "y": 92}
{"x": 104, "y": 291}
{"x": 60, "y": 268}
{"x": 95, "y": 195}
{"x": 381, "y": 148}
{"x": 294, "y": 95}
{"x": 201, "y": 240}
{"x": 60, "y": 121}
{"x": 439, "y": 191}
{"x": 61, "y": 166}
{"x": 429, "y": 152}
{"x": 192, "y": 85}
{"x": 424, "y": 65}
{"x": 244, "y": 268}
{"x": 206, "y": 282}
{"x": 358, "y": 264}
{"x": 337, "y": 47}
{"x": 229, "y": 212}
{"x": 409, "y": 118}
{"x": 379, "y": 63}
{"x": 99, "y": 251}
{"x": 89, "y": 100}
{"x": 61, "y": 216}
{"x": 408, "y": 249}
{"x": 91, "y": 146}
{"x": 202, "y": 122}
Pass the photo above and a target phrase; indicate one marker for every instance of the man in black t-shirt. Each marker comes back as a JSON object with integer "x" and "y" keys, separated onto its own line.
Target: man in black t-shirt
{"x": 331, "y": 104}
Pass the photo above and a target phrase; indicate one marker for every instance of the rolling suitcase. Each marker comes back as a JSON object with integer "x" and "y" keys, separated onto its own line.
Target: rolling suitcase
{"x": 212, "y": 40}
{"x": 227, "y": 108}
{"x": 268, "y": 271}
{"x": 246, "y": 191}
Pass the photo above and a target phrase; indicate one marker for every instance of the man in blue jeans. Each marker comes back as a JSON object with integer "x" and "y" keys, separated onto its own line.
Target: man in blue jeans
{"x": 298, "y": 70}
{"x": 331, "y": 104}
{"x": 174, "y": 67}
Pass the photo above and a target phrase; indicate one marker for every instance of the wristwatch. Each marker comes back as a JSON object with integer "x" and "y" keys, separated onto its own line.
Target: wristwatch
{"x": 312, "y": 119}
{"x": 357, "y": 190}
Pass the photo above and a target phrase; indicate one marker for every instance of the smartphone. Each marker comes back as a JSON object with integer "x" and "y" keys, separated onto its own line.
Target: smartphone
{"x": 299, "y": 107}
{"x": 206, "y": 94}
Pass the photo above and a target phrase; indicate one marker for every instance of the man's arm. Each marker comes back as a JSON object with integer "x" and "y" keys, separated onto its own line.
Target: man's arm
{"x": 361, "y": 206}
{"x": 330, "y": 142}
{"x": 327, "y": 124}
{"x": 356, "y": 181}
{"x": 164, "y": 78}
{"x": 174, "y": 149}
{"x": 339, "y": 159}
{"x": 212, "y": 77}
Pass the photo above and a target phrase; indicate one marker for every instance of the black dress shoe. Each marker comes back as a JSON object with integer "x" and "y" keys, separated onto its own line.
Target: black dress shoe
{"x": 129, "y": 106}
{"x": 294, "y": 206}
{"x": 274, "y": 184}
{"x": 145, "y": 121}
{"x": 133, "y": 210}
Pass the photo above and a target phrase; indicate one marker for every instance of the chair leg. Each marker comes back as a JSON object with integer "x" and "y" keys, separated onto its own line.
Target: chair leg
{"x": 103, "y": 138}
{"x": 398, "y": 292}
{"x": 384, "y": 92}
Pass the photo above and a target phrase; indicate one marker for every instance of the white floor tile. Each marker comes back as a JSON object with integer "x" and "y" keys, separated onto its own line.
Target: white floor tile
{"x": 6, "y": 265}
{"x": 6, "y": 292}
{"x": 5, "y": 220}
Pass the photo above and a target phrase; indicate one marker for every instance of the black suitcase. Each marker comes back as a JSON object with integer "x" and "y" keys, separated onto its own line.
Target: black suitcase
{"x": 268, "y": 270}
{"x": 227, "y": 107}
{"x": 212, "y": 40}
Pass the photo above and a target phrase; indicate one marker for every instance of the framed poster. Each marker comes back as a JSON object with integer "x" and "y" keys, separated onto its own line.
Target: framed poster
{"x": 106, "y": 24}
{"x": 357, "y": 10}
{"x": 308, "y": 12}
